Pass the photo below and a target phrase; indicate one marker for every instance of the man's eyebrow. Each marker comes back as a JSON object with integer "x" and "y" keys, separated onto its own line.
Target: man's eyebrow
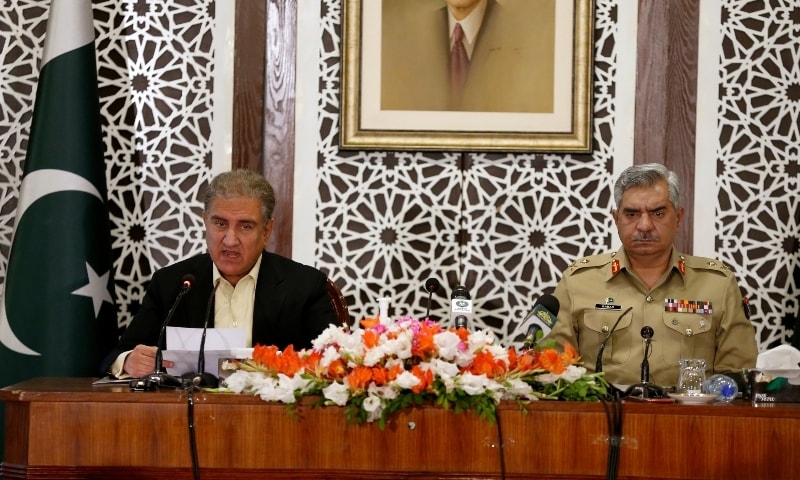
{"x": 635, "y": 210}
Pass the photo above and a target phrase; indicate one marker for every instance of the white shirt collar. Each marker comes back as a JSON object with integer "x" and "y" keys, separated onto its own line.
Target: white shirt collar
{"x": 470, "y": 25}
{"x": 217, "y": 277}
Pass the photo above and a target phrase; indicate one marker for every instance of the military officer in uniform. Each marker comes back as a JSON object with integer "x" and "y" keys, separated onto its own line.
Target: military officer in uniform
{"x": 693, "y": 304}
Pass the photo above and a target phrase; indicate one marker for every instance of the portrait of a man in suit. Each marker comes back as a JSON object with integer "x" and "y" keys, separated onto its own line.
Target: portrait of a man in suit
{"x": 468, "y": 55}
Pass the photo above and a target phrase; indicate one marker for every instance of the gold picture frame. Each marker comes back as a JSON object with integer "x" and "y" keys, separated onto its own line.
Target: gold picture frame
{"x": 558, "y": 120}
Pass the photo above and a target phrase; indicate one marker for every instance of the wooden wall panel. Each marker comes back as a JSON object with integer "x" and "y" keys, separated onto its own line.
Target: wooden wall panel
{"x": 666, "y": 94}
{"x": 263, "y": 110}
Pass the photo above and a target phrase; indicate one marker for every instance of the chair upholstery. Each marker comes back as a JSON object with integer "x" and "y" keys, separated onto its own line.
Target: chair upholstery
{"x": 339, "y": 304}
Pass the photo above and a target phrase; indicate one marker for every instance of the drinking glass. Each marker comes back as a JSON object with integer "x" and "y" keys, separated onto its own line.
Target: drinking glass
{"x": 692, "y": 376}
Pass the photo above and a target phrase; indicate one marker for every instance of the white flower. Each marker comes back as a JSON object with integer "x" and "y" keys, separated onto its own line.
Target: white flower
{"x": 472, "y": 384}
{"x": 371, "y": 403}
{"x": 329, "y": 355}
{"x": 337, "y": 393}
{"x": 573, "y": 373}
{"x": 281, "y": 390}
{"x": 516, "y": 388}
{"x": 447, "y": 343}
{"x": 374, "y": 355}
{"x": 479, "y": 339}
{"x": 406, "y": 381}
{"x": 399, "y": 347}
{"x": 385, "y": 391}
{"x": 238, "y": 381}
{"x": 440, "y": 368}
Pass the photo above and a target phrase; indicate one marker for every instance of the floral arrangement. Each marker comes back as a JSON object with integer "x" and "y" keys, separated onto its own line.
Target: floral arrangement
{"x": 380, "y": 369}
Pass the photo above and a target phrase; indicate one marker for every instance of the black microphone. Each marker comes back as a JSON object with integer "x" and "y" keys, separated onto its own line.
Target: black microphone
{"x": 431, "y": 285}
{"x": 160, "y": 377}
{"x": 460, "y": 307}
{"x": 598, "y": 366}
{"x": 647, "y": 334}
{"x": 201, "y": 378}
{"x": 544, "y": 315}
{"x": 645, "y": 389}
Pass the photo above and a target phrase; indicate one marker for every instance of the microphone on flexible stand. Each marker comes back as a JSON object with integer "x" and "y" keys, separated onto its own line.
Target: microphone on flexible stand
{"x": 160, "y": 377}
{"x": 598, "y": 366}
{"x": 544, "y": 314}
{"x": 201, "y": 378}
{"x": 645, "y": 389}
{"x": 431, "y": 285}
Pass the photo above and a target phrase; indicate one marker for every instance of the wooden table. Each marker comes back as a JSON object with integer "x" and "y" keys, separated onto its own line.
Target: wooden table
{"x": 66, "y": 428}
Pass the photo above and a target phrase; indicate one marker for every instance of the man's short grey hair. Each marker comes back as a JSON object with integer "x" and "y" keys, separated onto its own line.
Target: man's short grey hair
{"x": 647, "y": 175}
{"x": 242, "y": 183}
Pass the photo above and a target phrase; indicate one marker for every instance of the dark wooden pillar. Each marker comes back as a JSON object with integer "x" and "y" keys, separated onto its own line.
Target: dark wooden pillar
{"x": 666, "y": 95}
{"x": 264, "y": 99}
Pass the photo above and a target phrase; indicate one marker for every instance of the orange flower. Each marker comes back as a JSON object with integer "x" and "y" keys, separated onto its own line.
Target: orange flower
{"x": 337, "y": 369}
{"x": 380, "y": 376}
{"x": 395, "y": 372}
{"x": 425, "y": 346}
{"x": 550, "y": 360}
{"x": 570, "y": 355}
{"x": 368, "y": 323}
{"x": 485, "y": 363}
{"x": 370, "y": 339}
{"x": 359, "y": 378}
{"x": 425, "y": 378}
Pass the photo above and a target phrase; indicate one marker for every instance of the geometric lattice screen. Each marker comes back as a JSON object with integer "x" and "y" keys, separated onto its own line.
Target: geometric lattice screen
{"x": 506, "y": 225}
{"x": 757, "y": 218}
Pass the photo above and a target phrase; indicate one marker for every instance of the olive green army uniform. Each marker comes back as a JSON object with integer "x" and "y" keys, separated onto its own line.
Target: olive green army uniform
{"x": 695, "y": 310}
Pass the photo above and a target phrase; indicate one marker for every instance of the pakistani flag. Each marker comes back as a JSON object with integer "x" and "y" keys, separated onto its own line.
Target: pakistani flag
{"x": 57, "y": 312}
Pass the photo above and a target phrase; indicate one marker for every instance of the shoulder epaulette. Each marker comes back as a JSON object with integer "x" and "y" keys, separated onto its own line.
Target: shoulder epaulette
{"x": 703, "y": 263}
{"x": 590, "y": 262}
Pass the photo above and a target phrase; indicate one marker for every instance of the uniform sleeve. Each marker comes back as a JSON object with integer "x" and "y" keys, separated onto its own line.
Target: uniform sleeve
{"x": 736, "y": 341}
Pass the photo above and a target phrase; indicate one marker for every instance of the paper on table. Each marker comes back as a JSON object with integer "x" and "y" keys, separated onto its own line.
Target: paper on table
{"x": 183, "y": 346}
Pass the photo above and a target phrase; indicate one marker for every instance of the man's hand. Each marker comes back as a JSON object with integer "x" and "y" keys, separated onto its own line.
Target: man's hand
{"x": 142, "y": 360}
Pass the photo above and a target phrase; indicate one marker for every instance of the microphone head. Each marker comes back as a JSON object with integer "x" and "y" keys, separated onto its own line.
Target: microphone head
{"x": 647, "y": 332}
{"x": 549, "y": 302}
{"x": 187, "y": 281}
{"x": 432, "y": 285}
{"x": 543, "y": 317}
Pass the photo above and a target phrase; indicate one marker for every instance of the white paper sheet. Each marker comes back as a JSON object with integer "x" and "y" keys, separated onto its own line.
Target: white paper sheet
{"x": 183, "y": 347}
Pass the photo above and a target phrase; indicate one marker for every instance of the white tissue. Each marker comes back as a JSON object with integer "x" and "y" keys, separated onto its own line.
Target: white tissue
{"x": 781, "y": 361}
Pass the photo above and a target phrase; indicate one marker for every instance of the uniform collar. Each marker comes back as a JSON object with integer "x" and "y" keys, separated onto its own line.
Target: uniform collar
{"x": 620, "y": 262}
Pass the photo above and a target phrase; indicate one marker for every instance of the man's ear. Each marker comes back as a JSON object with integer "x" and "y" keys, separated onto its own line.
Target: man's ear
{"x": 268, "y": 229}
{"x": 679, "y": 215}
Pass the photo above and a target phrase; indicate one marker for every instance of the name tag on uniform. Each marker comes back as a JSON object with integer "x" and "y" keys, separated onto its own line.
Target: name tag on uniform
{"x": 606, "y": 306}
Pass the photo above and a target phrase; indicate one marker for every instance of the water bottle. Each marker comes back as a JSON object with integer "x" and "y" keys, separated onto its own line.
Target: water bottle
{"x": 723, "y": 386}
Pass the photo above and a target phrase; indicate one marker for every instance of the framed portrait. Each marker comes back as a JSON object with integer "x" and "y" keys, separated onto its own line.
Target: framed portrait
{"x": 513, "y": 75}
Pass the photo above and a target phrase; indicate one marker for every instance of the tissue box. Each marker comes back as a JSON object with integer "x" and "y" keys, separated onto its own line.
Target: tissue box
{"x": 774, "y": 386}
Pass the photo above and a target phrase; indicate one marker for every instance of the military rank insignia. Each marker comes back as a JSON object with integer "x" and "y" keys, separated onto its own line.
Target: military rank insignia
{"x": 687, "y": 306}
{"x": 615, "y": 267}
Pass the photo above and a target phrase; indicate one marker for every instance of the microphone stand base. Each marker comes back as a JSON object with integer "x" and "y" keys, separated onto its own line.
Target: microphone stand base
{"x": 199, "y": 380}
{"x": 154, "y": 381}
{"x": 645, "y": 390}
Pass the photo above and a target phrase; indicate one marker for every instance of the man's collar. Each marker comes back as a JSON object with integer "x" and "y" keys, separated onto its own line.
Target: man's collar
{"x": 217, "y": 276}
{"x": 621, "y": 262}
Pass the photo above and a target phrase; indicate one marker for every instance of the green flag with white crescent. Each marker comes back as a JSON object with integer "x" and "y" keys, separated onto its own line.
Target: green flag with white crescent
{"x": 57, "y": 311}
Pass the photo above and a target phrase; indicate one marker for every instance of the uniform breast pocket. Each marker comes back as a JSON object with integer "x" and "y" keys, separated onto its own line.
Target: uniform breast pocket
{"x": 598, "y": 324}
{"x": 690, "y": 335}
